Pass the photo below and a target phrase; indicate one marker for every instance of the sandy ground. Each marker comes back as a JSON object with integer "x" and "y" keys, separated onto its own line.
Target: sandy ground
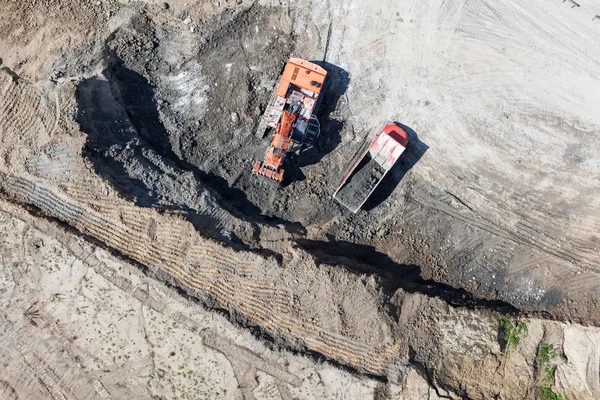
{"x": 132, "y": 124}
{"x": 82, "y": 324}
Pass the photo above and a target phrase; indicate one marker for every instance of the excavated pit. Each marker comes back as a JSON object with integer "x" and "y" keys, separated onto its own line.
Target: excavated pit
{"x": 184, "y": 143}
{"x": 122, "y": 132}
{"x": 202, "y": 112}
{"x": 156, "y": 131}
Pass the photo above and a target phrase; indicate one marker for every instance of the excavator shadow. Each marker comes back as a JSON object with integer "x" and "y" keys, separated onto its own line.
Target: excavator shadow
{"x": 335, "y": 87}
{"x": 413, "y": 153}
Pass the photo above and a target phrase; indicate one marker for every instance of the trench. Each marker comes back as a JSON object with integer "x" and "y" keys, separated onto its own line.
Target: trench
{"x": 365, "y": 259}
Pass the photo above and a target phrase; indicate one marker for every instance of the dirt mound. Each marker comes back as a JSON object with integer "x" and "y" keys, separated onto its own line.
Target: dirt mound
{"x": 239, "y": 61}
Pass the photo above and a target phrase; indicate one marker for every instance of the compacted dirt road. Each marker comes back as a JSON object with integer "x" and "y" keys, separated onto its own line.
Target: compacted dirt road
{"x": 129, "y": 127}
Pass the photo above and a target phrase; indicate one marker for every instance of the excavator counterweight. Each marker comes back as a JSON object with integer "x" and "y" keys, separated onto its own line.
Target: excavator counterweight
{"x": 292, "y": 114}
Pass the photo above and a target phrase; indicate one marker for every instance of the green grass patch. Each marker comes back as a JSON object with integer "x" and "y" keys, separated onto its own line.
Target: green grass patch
{"x": 512, "y": 334}
{"x": 549, "y": 394}
{"x": 545, "y": 354}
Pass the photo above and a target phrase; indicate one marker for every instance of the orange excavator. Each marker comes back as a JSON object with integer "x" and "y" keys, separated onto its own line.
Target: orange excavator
{"x": 292, "y": 113}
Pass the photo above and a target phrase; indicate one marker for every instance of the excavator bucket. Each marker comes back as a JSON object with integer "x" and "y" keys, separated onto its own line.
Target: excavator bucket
{"x": 260, "y": 169}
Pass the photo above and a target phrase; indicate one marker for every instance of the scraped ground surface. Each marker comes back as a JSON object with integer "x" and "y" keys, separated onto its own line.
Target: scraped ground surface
{"x": 81, "y": 324}
{"x": 133, "y": 125}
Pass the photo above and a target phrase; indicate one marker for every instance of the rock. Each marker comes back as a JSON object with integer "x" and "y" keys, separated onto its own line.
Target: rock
{"x": 235, "y": 117}
{"x": 187, "y": 21}
{"x": 165, "y": 6}
{"x": 382, "y": 232}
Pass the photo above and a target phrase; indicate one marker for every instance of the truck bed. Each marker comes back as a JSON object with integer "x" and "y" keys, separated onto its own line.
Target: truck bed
{"x": 361, "y": 183}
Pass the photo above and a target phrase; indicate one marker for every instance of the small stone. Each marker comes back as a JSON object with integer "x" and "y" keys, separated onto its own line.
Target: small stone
{"x": 382, "y": 232}
{"x": 165, "y": 6}
{"x": 98, "y": 3}
{"x": 187, "y": 21}
{"x": 235, "y": 117}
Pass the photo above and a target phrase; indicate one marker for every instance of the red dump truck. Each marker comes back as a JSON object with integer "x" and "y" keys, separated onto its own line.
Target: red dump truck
{"x": 371, "y": 167}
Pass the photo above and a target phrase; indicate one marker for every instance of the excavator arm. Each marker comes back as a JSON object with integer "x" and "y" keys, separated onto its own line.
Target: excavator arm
{"x": 272, "y": 166}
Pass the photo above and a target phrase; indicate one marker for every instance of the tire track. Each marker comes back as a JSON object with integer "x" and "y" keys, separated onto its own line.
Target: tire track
{"x": 22, "y": 109}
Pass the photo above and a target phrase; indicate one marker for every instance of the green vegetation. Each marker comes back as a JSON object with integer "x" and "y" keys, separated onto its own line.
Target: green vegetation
{"x": 549, "y": 394}
{"x": 512, "y": 334}
{"x": 545, "y": 354}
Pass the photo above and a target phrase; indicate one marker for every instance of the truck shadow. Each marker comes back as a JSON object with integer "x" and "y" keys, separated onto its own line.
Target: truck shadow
{"x": 413, "y": 153}
{"x": 364, "y": 259}
{"x": 336, "y": 86}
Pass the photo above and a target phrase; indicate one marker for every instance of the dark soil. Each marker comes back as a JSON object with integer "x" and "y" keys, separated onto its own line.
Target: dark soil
{"x": 360, "y": 184}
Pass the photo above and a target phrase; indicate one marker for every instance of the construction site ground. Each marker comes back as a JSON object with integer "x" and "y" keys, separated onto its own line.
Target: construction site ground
{"x": 142, "y": 259}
